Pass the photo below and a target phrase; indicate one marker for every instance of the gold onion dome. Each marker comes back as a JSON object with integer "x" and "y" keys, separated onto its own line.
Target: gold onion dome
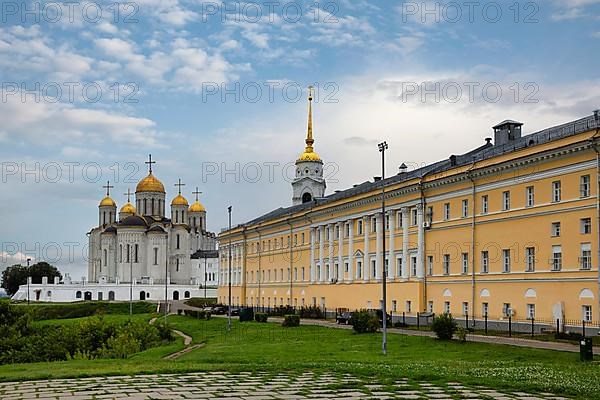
{"x": 107, "y": 202}
{"x": 128, "y": 208}
{"x": 179, "y": 201}
{"x": 197, "y": 207}
{"x": 309, "y": 153}
{"x": 150, "y": 184}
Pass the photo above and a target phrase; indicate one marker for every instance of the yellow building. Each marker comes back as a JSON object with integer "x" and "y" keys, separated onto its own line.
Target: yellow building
{"x": 509, "y": 228}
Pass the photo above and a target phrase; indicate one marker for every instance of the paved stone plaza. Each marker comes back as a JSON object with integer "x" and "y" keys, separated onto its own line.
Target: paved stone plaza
{"x": 214, "y": 385}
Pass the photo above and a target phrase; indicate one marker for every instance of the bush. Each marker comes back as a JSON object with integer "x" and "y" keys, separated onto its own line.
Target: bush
{"x": 201, "y": 302}
{"x": 261, "y": 317}
{"x": 246, "y": 314}
{"x": 461, "y": 333}
{"x": 312, "y": 312}
{"x": 282, "y": 311}
{"x": 444, "y": 326}
{"x": 85, "y": 309}
{"x": 291, "y": 320}
{"x": 364, "y": 321}
{"x": 198, "y": 314}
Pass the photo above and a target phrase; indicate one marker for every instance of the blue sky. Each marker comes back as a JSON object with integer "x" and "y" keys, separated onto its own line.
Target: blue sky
{"x": 171, "y": 60}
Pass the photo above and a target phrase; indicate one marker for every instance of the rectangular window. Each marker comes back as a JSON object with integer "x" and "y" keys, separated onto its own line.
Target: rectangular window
{"x": 177, "y": 264}
{"x": 360, "y": 227}
{"x": 485, "y": 262}
{"x": 337, "y": 232}
{"x": 430, "y": 306}
{"x": 136, "y": 251}
{"x": 178, "y": 241}
{"x": 373, "y": 268}
{"x": 399, "y": 266}
{"x": 465, "y": 263}
{"x": 447, "y": 307}
{"x": 584, "y": 186}
{"x": 408, "y": 306}
{"x": 156, "y": 256}
{"x": 394, "y": 306}
{"x": 585, "y": 226}
{"x": 359, "y": 269}
{"x": 506, "y": 310}
{"x": 530, "y": 311}
{"x": 446, "y": 264}
{"x": 128, "y": 253}
{"x": 346, "y": 267}
{"x": 429, "y": 265}
{"x": 506, "y": 201}
{"x": 556, "y": 260}
{"x": 555, "y": 229}
{"x": 347, "y": 230}
{"x": 484, "y": 204}
{"x": 374, "y": 225}
{"x": 413, "y": 214}
{"x": 465, "y": 208}
{"x": 446, "y": 211}
{"x": 295, "y": 239}
{"x": 530, "y": 259}
{"x": 485, "y": 308}
{"x": 586, "y": 313}
{"x": 529, "y": 196}
{"x": 506, "y": 260}
{"x": 387, "y": 222}
{"x": 556, "y": 191}
{"x": 413, "y": 265}
{"x": 327, "y": 233}
{"x": 465, "y": 308}
{"x": 399, "y": 219}
{"x": 585, "y": 258}
{"x": 302, "y": 236}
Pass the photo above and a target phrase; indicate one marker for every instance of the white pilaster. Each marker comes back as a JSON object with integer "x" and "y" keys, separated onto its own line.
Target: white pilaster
{"x": 331, "y": 229}
{"x": 421, "y": 241}
{"x": 340, "y": 276}
{"x": 366, "y": 266}
{"x": 321, "y": 252}
{"x": 405, "y": 257}
{"x": 392, "y": 257}
{"x": 351, "y": 251}
{"x": 312, "y": 255}
{"x": 378, "y": 245}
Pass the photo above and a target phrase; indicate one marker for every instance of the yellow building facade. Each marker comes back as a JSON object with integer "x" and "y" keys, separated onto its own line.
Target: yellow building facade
{"x": 510, "y": 228}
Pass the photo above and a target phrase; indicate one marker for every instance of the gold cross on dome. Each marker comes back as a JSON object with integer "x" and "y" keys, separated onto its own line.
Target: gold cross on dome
{"x": 150, "y": 162}
{"x": 197, "y": 193}
{"x": 108, "y": 187}
{"x": 128, "y": 194}
{"x": 180, "y": 185}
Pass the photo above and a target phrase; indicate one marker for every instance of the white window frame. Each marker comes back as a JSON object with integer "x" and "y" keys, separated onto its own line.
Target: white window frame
{"x": 446, "y": 264}
{"x": 505, "y": 260}
{"x": 556, "y": 191}
{"x": 506, "y": 200}
{"x": 556, "y": 260}
{"x": 531, "y": 311}
{"x": 585, "y": 258}
{"x": 465, "y": 208}
{"x": 465, "y": 263}
{"x": 529, "y": 196}
{"x": 484, "y": 204}
{"x": 485, "y": 262}
{"x": 446, "y": 211}
{"x": 555, "y": 229}
{"x": 584, "y": 186}
{"x": 530, "y": 259}
{"x": 586, "y": 313}
{"x": 585, "y": 226}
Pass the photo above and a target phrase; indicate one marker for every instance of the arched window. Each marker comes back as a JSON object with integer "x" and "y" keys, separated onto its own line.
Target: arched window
{"x": 105, "y": 258}
{"x": 186, "y": 294}
{"x": 176, "y": 295}
{"x": 177, "y": 239}
{"x": 120, "y": 253}
{"x": 78, "y": 294}
{"x": 152, "y": 203}
{"x": 177, "y": 264}
{"x": 111, "y": 295}
{"x": 145, "y": 206}
{"x": 306, "y": 198}
{"x": 127, "y": 257}
{"x": 137, "y": 248}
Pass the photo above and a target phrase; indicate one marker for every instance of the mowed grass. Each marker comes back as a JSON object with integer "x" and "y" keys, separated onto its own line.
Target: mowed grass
{"x": 269, "y": 347}
{"x": 115, "y": 318}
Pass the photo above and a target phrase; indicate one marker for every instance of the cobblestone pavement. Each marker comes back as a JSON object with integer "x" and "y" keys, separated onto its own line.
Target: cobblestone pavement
{"x": 251, "y": 386}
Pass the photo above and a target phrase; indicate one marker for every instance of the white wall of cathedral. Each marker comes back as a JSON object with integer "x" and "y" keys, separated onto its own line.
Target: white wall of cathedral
{"x": 156, "y": 255}
{"x": 150, "y": 203}
{"x": 205, "y": 272}
{"x": 131, "y": 259}
{"x": 179, "y": 214}
{"x": 179, "y": 254}
{"x": 106, "y": 215}
{"x": 197, "y": 220}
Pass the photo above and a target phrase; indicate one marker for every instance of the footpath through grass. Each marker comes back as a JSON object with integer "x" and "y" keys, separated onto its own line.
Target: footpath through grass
{"x": 269, "y": 347}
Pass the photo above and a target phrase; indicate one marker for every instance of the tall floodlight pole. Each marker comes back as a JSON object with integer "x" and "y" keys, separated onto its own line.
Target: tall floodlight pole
{"x": 382, "y": 148}
{"x": 229, "y": 249}
{"x": 166, "y": 281}
{"x": 205, "y": 273}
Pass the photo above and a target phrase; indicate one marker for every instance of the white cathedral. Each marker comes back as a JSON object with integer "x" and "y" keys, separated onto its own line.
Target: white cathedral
{"x": 139, "y": 253}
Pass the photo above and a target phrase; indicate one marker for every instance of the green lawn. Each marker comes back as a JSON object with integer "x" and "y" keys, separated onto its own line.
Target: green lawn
{"x": 269, "y": 347}
{"x": 116, "y": 318}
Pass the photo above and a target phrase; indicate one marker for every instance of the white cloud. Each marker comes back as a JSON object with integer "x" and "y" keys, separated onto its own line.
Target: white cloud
{"x": 569, "y": 14}
{"x": 18, "y": 257}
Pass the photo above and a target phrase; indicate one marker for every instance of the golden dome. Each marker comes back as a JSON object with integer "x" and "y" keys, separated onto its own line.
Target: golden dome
{"x": 150, "y": 184}
{"x": 179, "y": 201}
{"x": 197, "y": 207}
{"x": 309, "y": 156}
{"x": 107, "y": 202}
{"x": 128, "y": 208}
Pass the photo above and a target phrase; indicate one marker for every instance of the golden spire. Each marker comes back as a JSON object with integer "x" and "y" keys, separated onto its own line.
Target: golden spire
{"x": 309, "y": 152}
{"x": 309, "y": 135}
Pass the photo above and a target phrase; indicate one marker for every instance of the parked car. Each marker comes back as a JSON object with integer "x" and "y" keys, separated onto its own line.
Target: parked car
{"x": 379, "y": 314}
{"x": 219, "y": 310}
{"x": 344, "y": 318}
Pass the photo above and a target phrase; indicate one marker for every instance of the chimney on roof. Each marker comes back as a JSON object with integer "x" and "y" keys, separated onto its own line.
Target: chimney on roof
{"x": 453, "y": 160}
{"x": 402, "y": 169}
{"x": 506, "y": 132}
{"x": 488, "y": 140}
{"x": 376, "y": 178}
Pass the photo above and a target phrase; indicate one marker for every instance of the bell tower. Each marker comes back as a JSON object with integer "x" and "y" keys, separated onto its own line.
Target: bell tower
{"x": 308, "y": 182}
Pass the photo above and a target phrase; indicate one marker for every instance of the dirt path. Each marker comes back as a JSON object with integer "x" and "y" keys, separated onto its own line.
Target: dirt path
{"x": 187, "y": 341}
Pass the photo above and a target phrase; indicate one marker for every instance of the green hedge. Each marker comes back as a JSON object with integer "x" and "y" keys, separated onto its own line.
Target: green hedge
{"x": 364, "y": 321}
{"x": 201, "y": 302}
{"x": 84, "y": 309}
{"x": 198, "y": 314}
{"x": 291, "y": 320}
{"x": 261, "y": 317}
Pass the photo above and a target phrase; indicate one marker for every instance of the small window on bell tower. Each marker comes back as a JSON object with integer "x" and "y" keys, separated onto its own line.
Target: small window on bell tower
{"x": 306, "y": 198}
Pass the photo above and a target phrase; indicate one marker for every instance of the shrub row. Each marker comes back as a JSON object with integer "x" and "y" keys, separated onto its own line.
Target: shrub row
{"x": 261, "y": 317}
{"x": 365, "y": 321}
{"x": 84, "y": 309}
{"x": 201, "y": 302}
{"x": 291, "y": 320}
{"x": 198, "y": 314}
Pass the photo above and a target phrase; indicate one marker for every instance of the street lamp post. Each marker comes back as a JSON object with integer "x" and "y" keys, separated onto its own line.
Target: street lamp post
{"x": 205, "y": 273}
{"x": 229, "y": 275}
{"x": 382, "y": 148}
{"x": 28, "y": 279}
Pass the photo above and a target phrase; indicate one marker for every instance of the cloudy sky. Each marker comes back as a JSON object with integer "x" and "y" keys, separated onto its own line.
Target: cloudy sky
{"x": 217, "y": 93}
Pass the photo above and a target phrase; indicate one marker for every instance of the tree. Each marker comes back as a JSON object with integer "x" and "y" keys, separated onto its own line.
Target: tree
{"x": 12, "y": 277}
{"x": 16, "y": 275}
